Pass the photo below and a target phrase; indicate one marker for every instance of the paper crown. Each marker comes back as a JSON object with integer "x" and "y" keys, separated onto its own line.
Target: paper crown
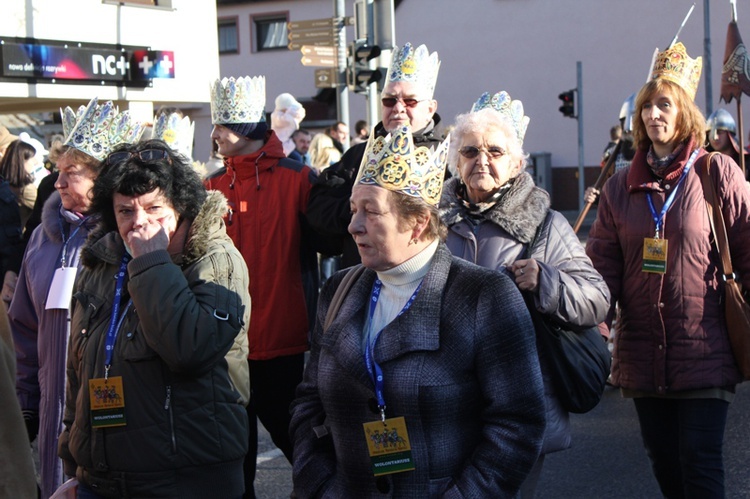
{"x": 240, "y": 100}
{"x": 510, "y": 110}
{"x": 675, "y": 65}
{"x": 97, "y": 129}
{"x": 176, "y": 131}
{"x": 394, "y": 163}
{"x": 415, "y": 65}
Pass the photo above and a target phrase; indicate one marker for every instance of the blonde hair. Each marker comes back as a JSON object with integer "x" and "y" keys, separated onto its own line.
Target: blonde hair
{"x": 322, "y": 152}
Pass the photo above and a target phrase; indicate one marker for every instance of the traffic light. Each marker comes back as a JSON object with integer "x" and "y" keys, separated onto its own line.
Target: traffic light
{"x": 359, "y": 76}
{"x": 568, "y": 107}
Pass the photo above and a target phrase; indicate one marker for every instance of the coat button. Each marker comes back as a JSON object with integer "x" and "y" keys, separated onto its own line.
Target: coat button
{"x": 383, "y": 485}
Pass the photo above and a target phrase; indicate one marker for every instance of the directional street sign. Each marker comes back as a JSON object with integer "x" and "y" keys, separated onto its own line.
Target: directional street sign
{"x": 310, "y": 24}
{"x": 324, "y": 34}
{"x": 325, "y": 78}
{"x": 309, "y": 43}
{"x": 318, "y": 60}
{"x": 317, "y": 50}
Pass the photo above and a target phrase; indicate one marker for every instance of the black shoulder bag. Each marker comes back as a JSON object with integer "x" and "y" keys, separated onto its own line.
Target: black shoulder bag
{"x": 577, "y": 359}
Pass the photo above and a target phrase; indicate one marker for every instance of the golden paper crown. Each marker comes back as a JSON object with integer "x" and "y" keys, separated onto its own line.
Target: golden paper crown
{"x": 97, "y": 129}
{"x": 675, "y": 65}
{"x": 394, "y": 163}
{"x": 240, "y": 100}
{"x": 415, "y": 65}
{"x": 510, "y": 110}
{"x": 176, "y": 131}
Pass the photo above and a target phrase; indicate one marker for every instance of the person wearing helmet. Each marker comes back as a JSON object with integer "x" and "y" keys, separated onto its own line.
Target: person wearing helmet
{"x": 721, "y": 131}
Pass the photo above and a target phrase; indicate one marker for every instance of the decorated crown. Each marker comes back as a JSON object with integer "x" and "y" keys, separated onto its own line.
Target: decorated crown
{"x": 240, "y": 100}
{"x": 97, "y": 129}
{"x": 415, "y": 65}
{"x": 394, "y": 163}
{"x": 511, "y": 110}
{"x": 176, "y": 131}
{"x": 675, "y": 65}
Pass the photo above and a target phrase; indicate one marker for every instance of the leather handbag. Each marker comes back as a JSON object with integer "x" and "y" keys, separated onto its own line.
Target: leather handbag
{"x": 577, "y": 359}
{"x": 736, "y": 308}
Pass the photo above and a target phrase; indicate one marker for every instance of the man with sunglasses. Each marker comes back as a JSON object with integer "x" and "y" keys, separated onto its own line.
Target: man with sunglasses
{"x": 267, "y": 195}
{"x": 406, "y": 100}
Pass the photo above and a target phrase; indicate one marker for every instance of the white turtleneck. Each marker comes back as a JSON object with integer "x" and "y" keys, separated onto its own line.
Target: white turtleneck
{"x": 399, "y": 284}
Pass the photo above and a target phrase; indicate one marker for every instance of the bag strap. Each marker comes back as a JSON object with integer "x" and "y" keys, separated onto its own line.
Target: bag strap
{"x": 338, "y": 297}
{"x": 539, "y": 230}
{"x": 716, "y": 219}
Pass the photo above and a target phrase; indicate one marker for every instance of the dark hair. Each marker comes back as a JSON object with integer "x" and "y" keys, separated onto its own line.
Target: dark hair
{"x": 360, "y": 125}
{"x": 409, "y": 208}
{"x": 12, "y": 166}
{"x": 174, "y": 176}
{"x": 690, "y": 121}
{"x": 301, "y": 131}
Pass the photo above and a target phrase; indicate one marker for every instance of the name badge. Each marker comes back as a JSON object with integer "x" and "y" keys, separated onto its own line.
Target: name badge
{"x": 389, "y": 447}
{"x": 61, "y": 289}
{"x": 654, "y": 255}
{"x": 107, "y": 402}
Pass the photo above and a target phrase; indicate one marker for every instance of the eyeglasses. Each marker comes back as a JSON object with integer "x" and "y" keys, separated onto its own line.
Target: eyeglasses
{"x": 409, "y": 102}
{"x": 146, "y": 156}
{"x": 471, "y": 152}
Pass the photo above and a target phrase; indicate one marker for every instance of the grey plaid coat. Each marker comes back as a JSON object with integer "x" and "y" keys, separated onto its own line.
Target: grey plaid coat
{"x": 460, "y": 366}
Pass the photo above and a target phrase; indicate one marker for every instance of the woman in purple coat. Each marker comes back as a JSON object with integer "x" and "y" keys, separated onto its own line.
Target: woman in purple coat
{"x": 39, "y": 311}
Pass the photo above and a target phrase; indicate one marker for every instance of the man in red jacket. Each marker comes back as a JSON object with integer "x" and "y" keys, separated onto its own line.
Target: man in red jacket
{"x": 267, "y": 196}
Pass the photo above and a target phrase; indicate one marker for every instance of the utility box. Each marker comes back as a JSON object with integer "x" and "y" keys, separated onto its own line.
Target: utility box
{"x": 539, "y": 166}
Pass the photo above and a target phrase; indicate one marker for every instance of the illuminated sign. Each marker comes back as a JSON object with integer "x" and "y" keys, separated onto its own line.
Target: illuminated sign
{"x": 72, "y": 62}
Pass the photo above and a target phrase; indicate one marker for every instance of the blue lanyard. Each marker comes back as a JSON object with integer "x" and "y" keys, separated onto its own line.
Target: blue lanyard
{"x": 114, "y": 321}
{"x": 659, "y": 219}
{"x": 376, "y": 373}
{"x": 66, "y": 240}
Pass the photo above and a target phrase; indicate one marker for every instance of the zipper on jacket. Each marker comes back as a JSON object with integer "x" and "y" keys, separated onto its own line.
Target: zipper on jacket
{"x": 168, "y": 407}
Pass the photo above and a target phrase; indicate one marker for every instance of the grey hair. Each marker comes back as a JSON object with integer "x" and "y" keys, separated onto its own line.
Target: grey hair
{"x": 480, "y": 122}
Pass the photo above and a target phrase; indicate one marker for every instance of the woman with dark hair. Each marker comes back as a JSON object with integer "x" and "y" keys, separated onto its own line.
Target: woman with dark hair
{"x": 157, "y": 377}
{"x": 39, "y": 310}
{"x": 426, "y": 381}
{"x": 653, "y": 245}
{"x": 16, "y": 167}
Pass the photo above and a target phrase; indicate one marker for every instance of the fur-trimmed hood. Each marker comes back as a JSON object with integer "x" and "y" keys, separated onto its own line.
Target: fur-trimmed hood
{"x": 51, "y": 213}
{"x": 108, "y": 246}
{"x": 519, "y": 211}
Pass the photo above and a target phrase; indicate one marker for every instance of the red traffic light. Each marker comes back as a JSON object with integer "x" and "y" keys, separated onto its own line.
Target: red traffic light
{"x": 568, "y": 103}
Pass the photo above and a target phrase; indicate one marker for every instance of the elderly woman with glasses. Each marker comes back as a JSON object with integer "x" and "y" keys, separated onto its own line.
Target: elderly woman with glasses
{"x": 494, "y": 213}
{"x": 422, "y": 379}
{"x": 157, "y": 376}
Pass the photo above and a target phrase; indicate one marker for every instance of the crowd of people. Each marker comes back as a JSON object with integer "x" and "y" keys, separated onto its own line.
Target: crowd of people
{"x": 158, "y": 311}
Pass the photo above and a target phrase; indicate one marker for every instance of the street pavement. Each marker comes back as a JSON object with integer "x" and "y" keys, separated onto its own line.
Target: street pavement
{"x": 607, "y": 460}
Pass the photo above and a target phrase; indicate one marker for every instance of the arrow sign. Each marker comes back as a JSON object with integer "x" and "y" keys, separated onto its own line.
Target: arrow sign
{"x": 318, "y": 50}
{"x": 311, "y": 24}
{"x": 317, "y": 60}
{"x": 305, "y": 36}
{"x": 309, "y": 43}
{"x": 325, "y": 78}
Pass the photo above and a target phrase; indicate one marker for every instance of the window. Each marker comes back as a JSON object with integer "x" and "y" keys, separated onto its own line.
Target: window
{"x": 228, "y": 38}
{"x": 270, "y": 32}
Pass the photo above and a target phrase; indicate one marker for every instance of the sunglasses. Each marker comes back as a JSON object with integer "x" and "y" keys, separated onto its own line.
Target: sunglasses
{"x": 409, "y": 102}
{"x": 145, "y": 156}
{"x": 471, "y": 152}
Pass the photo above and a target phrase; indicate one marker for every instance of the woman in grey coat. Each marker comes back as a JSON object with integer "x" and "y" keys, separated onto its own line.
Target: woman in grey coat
{"x": 426, "y": 382}
{"x": 493, "y": 211}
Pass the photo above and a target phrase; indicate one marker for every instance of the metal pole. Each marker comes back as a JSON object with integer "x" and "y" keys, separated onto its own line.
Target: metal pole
{"x": 707, "y": 57}
{"x": 372, "y": 90}
{"x": 385, "y": 38}
{"x": 579, "y": 88}
{"x": 342, "y": 92}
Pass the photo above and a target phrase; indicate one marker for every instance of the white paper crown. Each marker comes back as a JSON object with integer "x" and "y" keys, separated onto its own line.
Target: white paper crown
{"x": 394, "y": 163}
{"x": 176, "y": 131}
{"x": 511, "y": 110}
{"x": 415, "y": 65}
{"x": 97, "y": 129}
{"x": 240, "y": 100}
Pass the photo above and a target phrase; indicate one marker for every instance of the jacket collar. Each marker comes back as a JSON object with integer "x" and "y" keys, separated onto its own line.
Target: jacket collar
{"x": 53, "y": 213}
{"x": 416, "y": 330}
{"x": 519, "y": 212}
{"x": 427, "y": 134}
{"x": 640, "y": 176}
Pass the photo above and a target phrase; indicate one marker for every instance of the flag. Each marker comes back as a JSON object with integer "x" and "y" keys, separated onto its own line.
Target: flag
{"x": 735, "y": 74}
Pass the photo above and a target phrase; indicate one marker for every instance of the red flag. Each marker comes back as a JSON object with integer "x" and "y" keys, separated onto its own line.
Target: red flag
{"x": 735, "y": 74}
